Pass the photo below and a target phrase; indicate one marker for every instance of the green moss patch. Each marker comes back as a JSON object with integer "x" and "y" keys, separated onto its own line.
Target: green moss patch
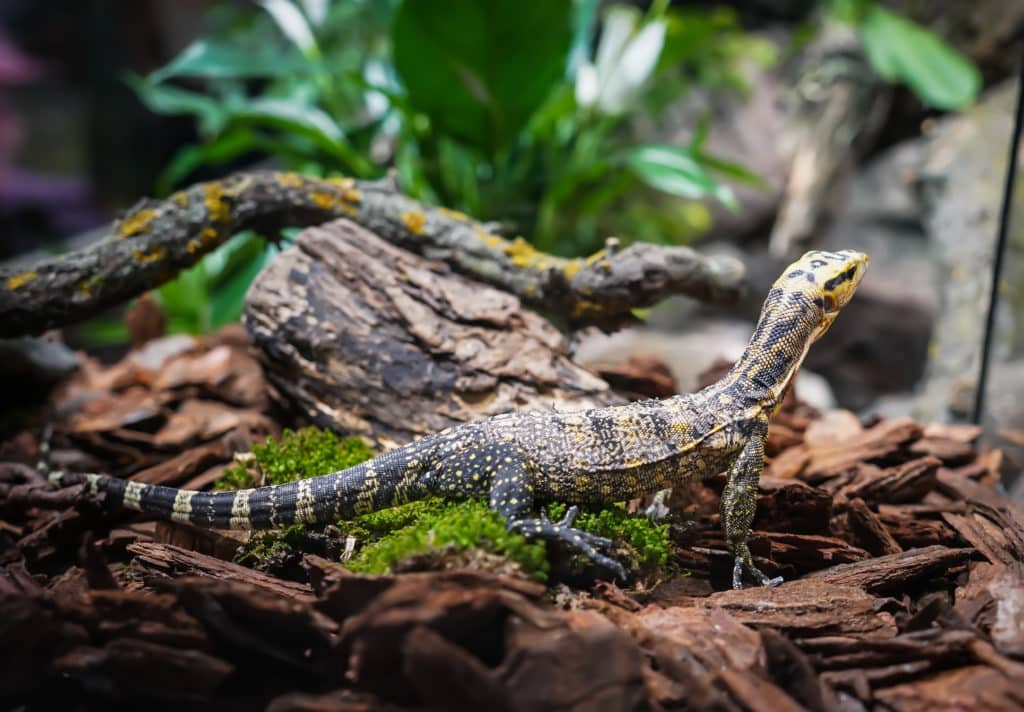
{"x": 299, "y": 454}
{"x": 646, "y": 542}
{"x": 444, "y": 526}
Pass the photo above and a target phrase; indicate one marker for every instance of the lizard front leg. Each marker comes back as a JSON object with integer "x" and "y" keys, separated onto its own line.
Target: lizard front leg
{"x": 739, "y": 503}
{"x": 511, "y": 476}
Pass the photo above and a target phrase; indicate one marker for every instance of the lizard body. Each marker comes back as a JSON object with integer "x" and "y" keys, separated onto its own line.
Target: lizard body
{"x": 521, "y": 459}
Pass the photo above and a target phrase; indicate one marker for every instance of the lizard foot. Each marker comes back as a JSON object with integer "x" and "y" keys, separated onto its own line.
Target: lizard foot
{"x": 563, "y": 531}
{"x": 745, "y": 562}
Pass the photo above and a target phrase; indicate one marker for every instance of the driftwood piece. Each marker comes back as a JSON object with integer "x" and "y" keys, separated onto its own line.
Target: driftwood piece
{"x": 157, "y": 238}
{"x": 367, "y": 338}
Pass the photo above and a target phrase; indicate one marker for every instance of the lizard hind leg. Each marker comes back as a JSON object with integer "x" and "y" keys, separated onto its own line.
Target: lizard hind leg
{"x": 511, "y": 494}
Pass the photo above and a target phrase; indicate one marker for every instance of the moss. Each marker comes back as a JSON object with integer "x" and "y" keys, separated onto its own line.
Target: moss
{"x": 434, "y": 525}
{"x": 267, "y": 549}
{"x": 647, "y": 543}
{"x": 299, "y": 454}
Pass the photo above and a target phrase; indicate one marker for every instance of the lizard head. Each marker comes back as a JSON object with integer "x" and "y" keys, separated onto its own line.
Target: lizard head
{"x": 827, "y": 279}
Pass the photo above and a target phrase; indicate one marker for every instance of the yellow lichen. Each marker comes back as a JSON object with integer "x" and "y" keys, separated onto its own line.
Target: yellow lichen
{"x": 215, "y": 199}
{"x": 453, "y": 214}
{"x": 20, "y": 279}
{"x": 136, "y": 223}
{"x": 180, "y": 199}
{"x": 347, "y": 188}
{"x": 414, "y": 220}
{"x": 584, "y": 307}
{"x": 193, "y": 247}
{"x": 572, "y": 268}
{"x": 525, "y": 256}
{"x": 145, "y": 257}
{"x": 290, "y": 180}
{"x": 209, "y": 235}
{"x": 323, "y": 199}
{"x": 87, "y": 285}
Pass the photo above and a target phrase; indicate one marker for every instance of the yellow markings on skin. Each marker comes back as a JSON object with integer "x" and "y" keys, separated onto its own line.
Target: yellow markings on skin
{"x": 136, "y": 223}
{"x": 364, "y": 500}
{"x": 304, "y": 513}
{"x": 414, "y": 220}
{"x": 240, "y": 513}
{"x": 182, "y": 508}
{"x": 132, "y": 496}
{"x": 409, "y": 477}
{"x": 21, "y": 279}
{"x": 157, "y": 253}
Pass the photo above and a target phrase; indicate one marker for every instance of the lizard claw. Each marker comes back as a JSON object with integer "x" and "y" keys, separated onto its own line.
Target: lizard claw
{"x": 584, "y": 542}
{"x": 756, "y": 573}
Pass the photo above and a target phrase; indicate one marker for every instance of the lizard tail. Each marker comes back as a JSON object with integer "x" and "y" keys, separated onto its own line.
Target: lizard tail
{"x": 385, "y": 481}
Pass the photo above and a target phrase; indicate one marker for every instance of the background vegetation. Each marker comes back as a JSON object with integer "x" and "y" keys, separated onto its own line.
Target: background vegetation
{"x": 511, "y": 111}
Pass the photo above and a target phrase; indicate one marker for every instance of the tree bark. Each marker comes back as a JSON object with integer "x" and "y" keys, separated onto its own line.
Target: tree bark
{"x": 367, "y": 338}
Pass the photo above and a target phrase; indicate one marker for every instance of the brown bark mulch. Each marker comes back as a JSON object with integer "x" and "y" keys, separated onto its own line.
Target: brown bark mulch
{"x": 903, "y": 563}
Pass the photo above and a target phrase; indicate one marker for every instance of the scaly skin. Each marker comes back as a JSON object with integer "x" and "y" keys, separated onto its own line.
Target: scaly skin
{"x": 520, "y": 460}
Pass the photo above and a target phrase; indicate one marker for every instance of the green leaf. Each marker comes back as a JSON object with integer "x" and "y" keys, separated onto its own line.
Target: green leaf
{"x": 232, "y": 284}
{"x": 308, "y": 121}
{"x": 171, "y": 100}
{"x": 479, "y": 69}
{"x": 900, "y": 50}
{"x": 210, "y": 59}
{"x": 676, "y": 171}
{"x": 293, "y": 25}
{"x": 732, "y": 170}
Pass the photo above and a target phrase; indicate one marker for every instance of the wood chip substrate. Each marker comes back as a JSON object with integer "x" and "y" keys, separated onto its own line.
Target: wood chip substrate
{"x": 903, "y": 565}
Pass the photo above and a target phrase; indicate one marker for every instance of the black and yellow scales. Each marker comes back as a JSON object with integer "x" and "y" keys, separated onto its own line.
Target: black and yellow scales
{"x": 520, "y": 460}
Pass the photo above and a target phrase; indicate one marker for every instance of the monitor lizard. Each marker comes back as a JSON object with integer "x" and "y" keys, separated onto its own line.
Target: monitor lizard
{"x": 519, "y": 460}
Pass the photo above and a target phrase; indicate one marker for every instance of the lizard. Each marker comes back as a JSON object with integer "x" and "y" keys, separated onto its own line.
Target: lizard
{"x": 521, "y": 459}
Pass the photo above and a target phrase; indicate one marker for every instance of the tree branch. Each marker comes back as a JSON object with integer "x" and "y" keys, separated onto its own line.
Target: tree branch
{"x": 156, "y": 239}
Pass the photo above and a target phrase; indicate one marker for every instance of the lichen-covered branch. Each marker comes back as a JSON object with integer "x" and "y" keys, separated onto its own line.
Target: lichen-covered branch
{"x": 158, "y": 238}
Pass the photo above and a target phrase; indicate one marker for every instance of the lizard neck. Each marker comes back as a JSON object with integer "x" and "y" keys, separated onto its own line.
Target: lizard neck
{"x": 788, "y": 325}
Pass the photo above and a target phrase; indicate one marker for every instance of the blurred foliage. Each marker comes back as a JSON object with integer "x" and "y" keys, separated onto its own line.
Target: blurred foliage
{"x": 903, "y": 52}
{"x": 507, "y": 110}
{"x": 519, "y": 112}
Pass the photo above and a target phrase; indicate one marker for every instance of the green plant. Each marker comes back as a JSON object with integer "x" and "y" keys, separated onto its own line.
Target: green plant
{"x": 503, "y": 109}
{"x": 298, "y": 454}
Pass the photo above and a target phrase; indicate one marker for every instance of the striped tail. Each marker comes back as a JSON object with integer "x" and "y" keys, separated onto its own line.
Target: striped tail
{"x": 386, "y": 481}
